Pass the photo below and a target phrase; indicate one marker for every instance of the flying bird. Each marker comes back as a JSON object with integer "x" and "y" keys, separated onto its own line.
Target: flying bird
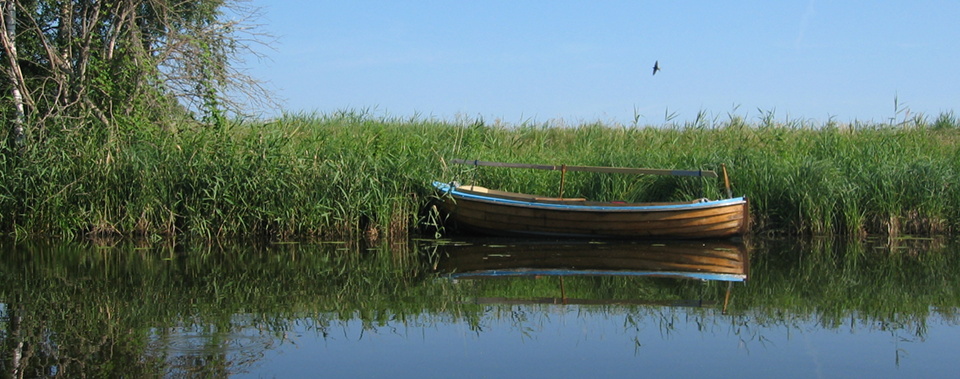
{"x": 656, "y": 67}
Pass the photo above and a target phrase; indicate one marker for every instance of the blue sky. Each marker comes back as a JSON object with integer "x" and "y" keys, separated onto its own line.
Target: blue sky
{"x": 584, "y": 61}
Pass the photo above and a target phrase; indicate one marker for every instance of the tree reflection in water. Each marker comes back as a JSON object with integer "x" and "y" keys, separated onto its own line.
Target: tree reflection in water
{"x": 128, "y": 310}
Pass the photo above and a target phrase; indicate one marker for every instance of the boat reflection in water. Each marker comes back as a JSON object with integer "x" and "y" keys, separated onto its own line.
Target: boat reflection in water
{"x": 703, "y": 260}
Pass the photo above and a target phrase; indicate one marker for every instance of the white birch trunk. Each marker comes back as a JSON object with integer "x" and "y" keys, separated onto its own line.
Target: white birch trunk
{"x": 10, "y": 21}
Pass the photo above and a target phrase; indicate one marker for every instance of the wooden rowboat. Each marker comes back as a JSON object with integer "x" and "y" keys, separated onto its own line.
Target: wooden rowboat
{"x": 515, "y": 214}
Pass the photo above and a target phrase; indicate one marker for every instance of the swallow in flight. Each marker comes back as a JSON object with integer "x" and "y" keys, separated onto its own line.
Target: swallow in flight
{"x": 656, "y": 67}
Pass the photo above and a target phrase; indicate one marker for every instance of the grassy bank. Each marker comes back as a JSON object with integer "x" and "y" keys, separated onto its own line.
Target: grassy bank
{"x": 352, "y": 174}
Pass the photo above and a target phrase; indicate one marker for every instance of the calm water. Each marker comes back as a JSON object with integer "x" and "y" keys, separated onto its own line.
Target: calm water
{"x": 812, "y": 308}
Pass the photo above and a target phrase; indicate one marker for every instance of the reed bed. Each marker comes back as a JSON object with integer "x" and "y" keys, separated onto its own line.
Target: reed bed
{"x": 352, "y": 174}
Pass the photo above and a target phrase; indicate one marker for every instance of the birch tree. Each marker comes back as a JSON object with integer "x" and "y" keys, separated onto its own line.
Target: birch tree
{"x": 14, "y": 75}
{"x": 116, "y": 66}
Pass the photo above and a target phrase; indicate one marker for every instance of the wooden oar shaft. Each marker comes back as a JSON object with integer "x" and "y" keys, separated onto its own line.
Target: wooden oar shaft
{"x": 608, "y": 170}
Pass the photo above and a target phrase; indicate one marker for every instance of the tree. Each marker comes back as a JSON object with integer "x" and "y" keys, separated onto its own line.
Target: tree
{"x": 13, "y": 70}
{"x": 116, "y": 66}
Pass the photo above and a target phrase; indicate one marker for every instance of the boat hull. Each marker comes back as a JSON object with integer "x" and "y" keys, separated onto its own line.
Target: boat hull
{"x": 513, "y": 214}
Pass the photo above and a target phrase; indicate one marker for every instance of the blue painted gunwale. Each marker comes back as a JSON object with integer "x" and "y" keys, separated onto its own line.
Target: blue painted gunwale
{"x": 573, "y": 272}
{"x": 448, "y": 189}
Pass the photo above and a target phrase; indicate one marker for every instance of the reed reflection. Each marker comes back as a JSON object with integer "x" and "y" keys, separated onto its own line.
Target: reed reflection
{"x": 170, "y": 310}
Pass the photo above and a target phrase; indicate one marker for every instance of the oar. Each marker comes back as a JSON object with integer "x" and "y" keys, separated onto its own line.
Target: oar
{"x": 608, "y": 170}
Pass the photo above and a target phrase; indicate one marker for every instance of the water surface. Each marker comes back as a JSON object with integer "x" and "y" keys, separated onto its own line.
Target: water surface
{"x": 813, "y": 308}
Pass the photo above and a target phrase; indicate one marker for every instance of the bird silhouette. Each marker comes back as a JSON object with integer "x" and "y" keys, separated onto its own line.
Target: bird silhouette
{"x": 656, "y": 67}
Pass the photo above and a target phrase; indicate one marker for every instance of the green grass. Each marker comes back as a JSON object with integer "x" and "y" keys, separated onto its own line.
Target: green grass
{"x": 352, "y": 174}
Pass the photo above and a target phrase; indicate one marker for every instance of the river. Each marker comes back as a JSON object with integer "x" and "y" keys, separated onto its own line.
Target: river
{"x": 879, "y": 308}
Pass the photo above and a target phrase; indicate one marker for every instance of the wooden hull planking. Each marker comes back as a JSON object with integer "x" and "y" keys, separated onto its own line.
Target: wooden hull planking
{"x": 500, "y": 213}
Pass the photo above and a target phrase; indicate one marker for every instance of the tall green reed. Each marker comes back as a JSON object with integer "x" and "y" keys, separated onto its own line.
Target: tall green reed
{"x": 353, "y": 174}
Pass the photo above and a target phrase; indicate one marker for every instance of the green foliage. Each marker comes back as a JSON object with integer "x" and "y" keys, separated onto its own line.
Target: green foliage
{"x": 115, "y": 68}
{"x": 352, "y": 174}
